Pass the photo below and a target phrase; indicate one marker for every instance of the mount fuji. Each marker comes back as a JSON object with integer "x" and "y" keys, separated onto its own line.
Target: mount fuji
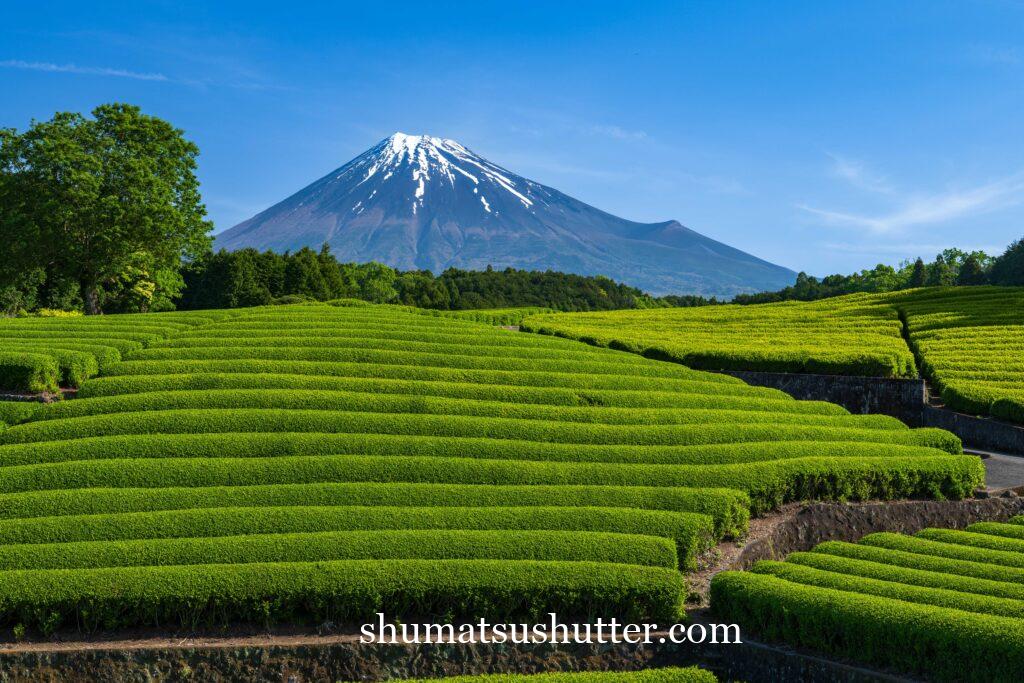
{"x": 420, "y": 202}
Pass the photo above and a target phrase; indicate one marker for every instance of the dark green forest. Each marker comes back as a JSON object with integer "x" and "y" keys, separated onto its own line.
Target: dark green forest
{"x": 251, "y": 278}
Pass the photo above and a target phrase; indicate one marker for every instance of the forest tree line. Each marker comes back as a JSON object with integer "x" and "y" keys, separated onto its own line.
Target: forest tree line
{"x": 951, "y": 267}
{"x": 248, "y": 277}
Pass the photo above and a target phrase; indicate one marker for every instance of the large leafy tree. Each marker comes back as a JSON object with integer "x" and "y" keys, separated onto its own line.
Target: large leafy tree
{"x": 101, "y": 200}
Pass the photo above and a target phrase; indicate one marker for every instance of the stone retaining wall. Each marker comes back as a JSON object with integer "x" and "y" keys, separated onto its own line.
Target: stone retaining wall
{"x": 901, "y": 398}
{"x": 981, "y": 433}
{"x": 819, "y": 522}
{"x": 350, "y": 661}
{"x": 905, "y": 399}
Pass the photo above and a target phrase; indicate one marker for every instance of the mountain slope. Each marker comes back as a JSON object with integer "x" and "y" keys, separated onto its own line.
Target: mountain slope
{"x": 422, "y": 202}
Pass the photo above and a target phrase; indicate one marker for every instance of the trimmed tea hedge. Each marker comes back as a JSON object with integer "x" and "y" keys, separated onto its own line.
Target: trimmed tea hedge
{"x": 21, "y": 371}
{"x": 276, "y": 444}
{"x": 450, "y": 544}
{"x": 219, "y": 421}
{"x": 728, "y": 508}
{"x": 340, "y": 400}
{"x": 340, "y": 591}
{"x": 698, "y": 398}
{"x": 769, "y": 484}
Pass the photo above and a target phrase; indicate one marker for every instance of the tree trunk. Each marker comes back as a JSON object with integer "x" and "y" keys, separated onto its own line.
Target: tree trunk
{"x": 91, "y": 295}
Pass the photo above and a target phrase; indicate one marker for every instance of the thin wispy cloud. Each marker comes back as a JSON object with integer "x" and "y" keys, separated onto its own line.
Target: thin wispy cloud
{"x": 615, "y": 132}
{"x": 912, "y": 210}
{"x": 857, "y": 174}
{"x": 82, "y": 70}
{"x": 243, "y": 83}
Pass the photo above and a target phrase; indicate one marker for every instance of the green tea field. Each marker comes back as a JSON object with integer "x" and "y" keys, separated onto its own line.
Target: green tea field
{"x": 967, "y": 341}
{"x": 312, "y": 463}
{"x": 851, "y": 335}
{"x": 971, "y": 342}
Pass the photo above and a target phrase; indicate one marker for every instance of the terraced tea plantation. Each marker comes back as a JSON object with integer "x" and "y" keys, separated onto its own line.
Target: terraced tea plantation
{"x": 945, "y": 604}
{"x": 850, "y": 335}
{"x": 971, "y": 340}
{"x": 968, "y": 341}
{"x": 314, "y": 463}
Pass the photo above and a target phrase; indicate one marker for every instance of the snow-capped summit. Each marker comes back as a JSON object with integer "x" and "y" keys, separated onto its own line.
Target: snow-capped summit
{"x": 418, "y": 201}
{"x": 434, "y": 158}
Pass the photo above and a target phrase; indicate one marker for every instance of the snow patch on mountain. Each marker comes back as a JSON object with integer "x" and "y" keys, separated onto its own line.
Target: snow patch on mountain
{"x": 423, "y": 158}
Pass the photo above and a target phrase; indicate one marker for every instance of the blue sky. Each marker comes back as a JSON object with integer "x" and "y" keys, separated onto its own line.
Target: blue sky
{"x": 824, "y": 136}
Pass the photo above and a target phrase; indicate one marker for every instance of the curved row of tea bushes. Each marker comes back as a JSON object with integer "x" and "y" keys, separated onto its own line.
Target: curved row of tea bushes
{"x": 339, "y": 591}
{"x": 727, "y": 508}
{"x": 340, "y": 400}
{"x": 663, "y": 675}
{"x": 103, "y": 354}
{"x": 522, "y": 378}
{"x": 122, "y": 385}
{"x": 575, "y": 546}
{"x": 278, "y": 444}
{"x": 942, "y": 591}
{"x": 369, "y": 336}
{"x": 187, "y": 347}
{"x": 490, "y": 316}
{"x": 941, "y": 558}
{"x": 14, "y": 412}
{"x": 256, "y": 420}
{"x": 769, "y": 484}
{"x": 953, "y": 599}
{"x": 120, "y": 340}
{"x": 581, "y": 363}
{"x": 324, "y": 434}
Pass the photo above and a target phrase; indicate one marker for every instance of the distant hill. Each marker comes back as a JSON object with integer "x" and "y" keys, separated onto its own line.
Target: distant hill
{"x": 419, "y": 202}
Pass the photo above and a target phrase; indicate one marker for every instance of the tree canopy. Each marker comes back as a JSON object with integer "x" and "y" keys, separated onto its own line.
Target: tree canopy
{"x": 1008, "y": 269}
{"x": 109, "y": 204}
